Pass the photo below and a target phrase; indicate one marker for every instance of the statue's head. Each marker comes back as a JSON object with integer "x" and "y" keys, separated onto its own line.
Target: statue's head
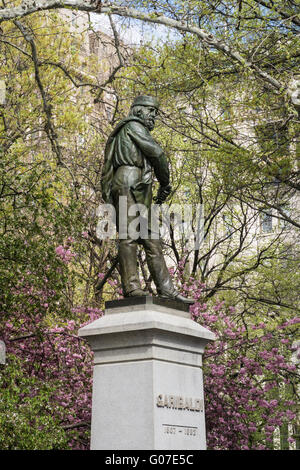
{"x": 146, "y": 108}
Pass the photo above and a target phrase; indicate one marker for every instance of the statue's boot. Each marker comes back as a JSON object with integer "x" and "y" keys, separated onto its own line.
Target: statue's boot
{"x": 129, "y": 269}
{"x": 137, "y": 293}
{"x": 160, "y": 273}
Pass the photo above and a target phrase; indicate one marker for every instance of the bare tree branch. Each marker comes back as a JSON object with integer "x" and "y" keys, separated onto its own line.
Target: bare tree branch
{"x": 29, "y": 7}
{"x": 49, "y": 129}
{"x": 284, "y": 14}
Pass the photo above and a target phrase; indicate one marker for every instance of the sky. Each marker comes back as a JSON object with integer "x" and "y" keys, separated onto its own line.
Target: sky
{"x": 132, "y": 32}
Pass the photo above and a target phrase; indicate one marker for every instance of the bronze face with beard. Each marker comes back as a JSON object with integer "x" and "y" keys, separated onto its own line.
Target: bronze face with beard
{"x": 131, "y": 154}
{"x": 145, "y": 113}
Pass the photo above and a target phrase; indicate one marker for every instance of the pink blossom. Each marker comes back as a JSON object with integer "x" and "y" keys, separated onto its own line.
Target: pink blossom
{"x": 64, "y": 253}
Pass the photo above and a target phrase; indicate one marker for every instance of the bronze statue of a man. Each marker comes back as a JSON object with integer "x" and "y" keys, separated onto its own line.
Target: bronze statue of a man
{"x": 130, "y": 156}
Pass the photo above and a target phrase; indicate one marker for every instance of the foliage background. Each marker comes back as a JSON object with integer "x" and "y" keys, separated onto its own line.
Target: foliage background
{"x": 215, "y": 128}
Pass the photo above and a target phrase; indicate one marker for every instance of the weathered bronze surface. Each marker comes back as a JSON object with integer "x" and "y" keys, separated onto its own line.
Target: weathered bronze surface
{"x": 131, "y": 154}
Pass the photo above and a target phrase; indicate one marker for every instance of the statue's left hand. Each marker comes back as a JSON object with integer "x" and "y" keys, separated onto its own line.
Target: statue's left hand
{"x": 162, "y": 194}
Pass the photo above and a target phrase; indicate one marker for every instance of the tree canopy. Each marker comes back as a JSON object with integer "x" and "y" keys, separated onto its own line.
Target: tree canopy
{"x": 228, "y": 84}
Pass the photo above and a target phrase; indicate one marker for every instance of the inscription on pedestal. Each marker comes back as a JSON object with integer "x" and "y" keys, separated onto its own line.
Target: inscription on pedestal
{"x": 179, "y": 420}
{"x": 177, "y": 402}
{"x": 179, "y": 429}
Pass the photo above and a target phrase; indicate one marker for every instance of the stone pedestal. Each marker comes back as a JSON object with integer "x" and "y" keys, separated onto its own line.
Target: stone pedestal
{"x": 148, "y": 386}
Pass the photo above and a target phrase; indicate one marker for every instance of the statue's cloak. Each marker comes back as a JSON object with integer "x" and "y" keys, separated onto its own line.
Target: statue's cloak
{"x": 108, "y": 168}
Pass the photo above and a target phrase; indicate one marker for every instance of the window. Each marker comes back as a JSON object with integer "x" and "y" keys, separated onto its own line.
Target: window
{"x": 229, "y": 229}
{"x": 225, "y": 110}
{"x": 109, "y": 112}
{"x": 93, "y": 44}
{"x": 266, "y": 221}
{"x": 273, "y": 137}
{"x": 74, "y": 18}
{"x": 283, "y": 223}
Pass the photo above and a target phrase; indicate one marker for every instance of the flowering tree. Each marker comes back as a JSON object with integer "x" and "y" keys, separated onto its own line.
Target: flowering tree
{"x": 50, "y": 257}
{"x": 46, "y": 386}
{"x": 250, "y": 373}
{"x": 250, "y": 380}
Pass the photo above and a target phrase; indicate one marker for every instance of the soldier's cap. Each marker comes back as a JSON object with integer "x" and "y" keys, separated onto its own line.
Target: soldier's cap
{"x": 145, "y": 100}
